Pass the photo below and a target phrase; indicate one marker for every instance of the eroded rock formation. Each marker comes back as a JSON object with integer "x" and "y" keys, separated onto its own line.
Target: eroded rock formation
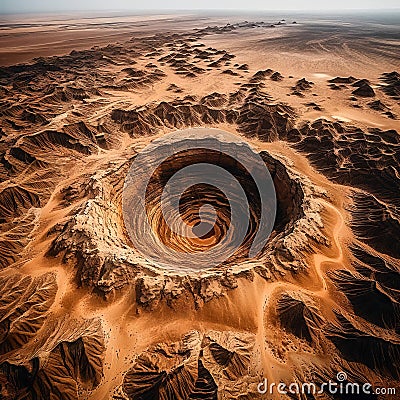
{"x": 84, "y": 314}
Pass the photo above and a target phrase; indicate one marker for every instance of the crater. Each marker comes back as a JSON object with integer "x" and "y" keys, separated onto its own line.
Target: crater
{"x": 205, "y": 208}
{"x": 205, "y": 204}
{"x": 201, "y": 197}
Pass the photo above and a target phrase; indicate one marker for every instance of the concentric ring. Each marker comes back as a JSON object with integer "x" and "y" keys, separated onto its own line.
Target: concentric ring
{"x": 195, "y": 198}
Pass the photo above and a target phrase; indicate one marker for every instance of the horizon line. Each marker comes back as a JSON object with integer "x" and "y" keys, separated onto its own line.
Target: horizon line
{"x": 163, "y": 10}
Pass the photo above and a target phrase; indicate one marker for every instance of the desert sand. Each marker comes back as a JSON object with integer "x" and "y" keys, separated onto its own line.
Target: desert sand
{"x": 85, "y": 316}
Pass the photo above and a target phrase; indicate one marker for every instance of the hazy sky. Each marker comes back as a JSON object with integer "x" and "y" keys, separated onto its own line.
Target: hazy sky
{"x": 10, "y": 6}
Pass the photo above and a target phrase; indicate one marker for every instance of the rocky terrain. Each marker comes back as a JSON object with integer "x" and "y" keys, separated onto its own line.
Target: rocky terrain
{"x": 84, "y": 315}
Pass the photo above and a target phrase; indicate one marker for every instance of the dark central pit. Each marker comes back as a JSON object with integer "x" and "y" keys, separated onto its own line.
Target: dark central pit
{"x": 206, "y": 196}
